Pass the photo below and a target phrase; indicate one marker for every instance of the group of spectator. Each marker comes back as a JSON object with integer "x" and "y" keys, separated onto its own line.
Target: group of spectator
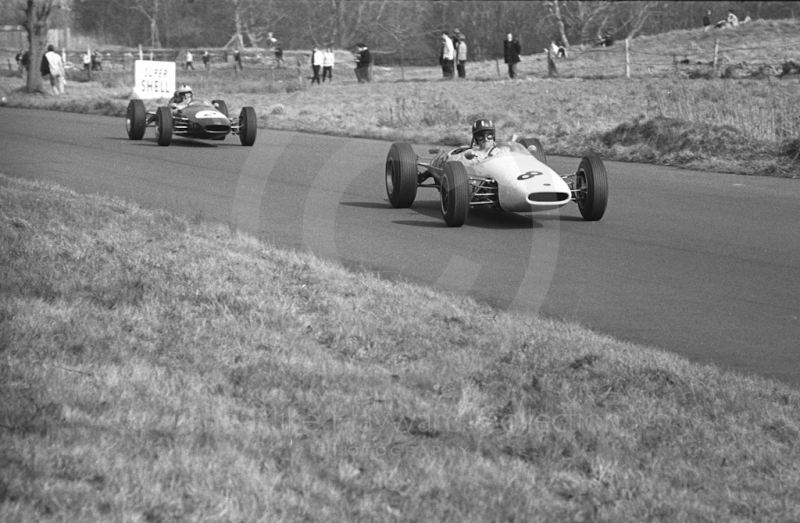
{"x": 730, "y": 21}
{"x": 453, "y": 53}
{"x": 322, "y": 61}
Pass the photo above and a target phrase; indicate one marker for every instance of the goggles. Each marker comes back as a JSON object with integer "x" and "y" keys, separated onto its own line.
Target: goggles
{"x": 483, "y": 136}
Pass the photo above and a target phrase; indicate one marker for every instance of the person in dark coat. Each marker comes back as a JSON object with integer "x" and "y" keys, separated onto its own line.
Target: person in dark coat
{"x": 511, "y": 50}
{"x": 363, "y": 63}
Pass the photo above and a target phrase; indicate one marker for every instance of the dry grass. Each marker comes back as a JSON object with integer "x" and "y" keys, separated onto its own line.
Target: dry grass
{"x": 158, "y": 370}
{"x": 739, "y": 118}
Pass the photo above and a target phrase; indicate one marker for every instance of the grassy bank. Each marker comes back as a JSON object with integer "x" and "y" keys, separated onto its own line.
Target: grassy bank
{"x": 676, "y": 109}
{"x": 157, "y": 369}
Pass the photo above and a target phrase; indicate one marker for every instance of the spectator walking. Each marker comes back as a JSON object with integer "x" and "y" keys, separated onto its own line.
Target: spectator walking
{"x": 189, "y": 61}
{"x": 363, "y": 63}
{"x": 446, "y": 56}
{"x": 461, "y": 56}
{"x": 316, "y": 64}
{"x": 206, "y": 60}
{"x": 511, "y": 51}
{"x": 327, "y": 64}
{"x": 707, "y": 21}
{"x": 53, "y": 65}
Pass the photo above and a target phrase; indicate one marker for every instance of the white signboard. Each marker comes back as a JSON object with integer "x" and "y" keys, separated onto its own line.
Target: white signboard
{"x": 154, "y": 79}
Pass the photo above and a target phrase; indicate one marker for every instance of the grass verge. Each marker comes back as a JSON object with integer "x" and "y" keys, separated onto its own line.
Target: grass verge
{"x": 160, "y": 370}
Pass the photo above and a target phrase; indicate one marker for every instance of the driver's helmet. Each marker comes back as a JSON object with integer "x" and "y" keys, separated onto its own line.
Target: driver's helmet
{"x": 482, "y": 130}
{"x": 183, "y": 93}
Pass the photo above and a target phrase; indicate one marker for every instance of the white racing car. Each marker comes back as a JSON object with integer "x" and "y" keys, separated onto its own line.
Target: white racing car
{"x": 513, "y": 177}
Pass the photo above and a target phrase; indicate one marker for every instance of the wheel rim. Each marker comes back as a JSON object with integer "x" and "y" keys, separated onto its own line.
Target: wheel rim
{"x": 445, "y": 194}
{"x": 583, "y": 188}
{"x": 390, "y": 176}
{"x": 128, "y": 120}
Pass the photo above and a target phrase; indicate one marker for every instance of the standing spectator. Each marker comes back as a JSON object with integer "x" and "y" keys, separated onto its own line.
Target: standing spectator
{"x": 278, "y": 55}
{"x": 237, "y": 60}
{"x": 18, "y": 58}
{"x": 87, "y": 63}
{"x": 53, "y": 65}
{"x": 189, "y": 61}
{"x": 25, "y": 61}
{"x": 207, "y": 60}
{"x": 97, "y": 61}
{"x": 446, "y": 56}
{"x": 316, "y": 64}
{"x": 707, "y": 21}
{"x": 363, "y": 63}
{"x": 327, "y": 64}
{"x": 733, "y": 20}
{"x": 461, "y": 56}
{"x": 511, "y": 50}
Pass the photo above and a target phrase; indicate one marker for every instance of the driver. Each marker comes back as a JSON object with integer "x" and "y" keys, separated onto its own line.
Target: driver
{"x": 182, "y": 98}
{"x": 483, "y": 136}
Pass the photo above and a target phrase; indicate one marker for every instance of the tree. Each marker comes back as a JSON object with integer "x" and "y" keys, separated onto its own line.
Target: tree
{"x": 151, "y": 10}
{"x": 37, "y": 13}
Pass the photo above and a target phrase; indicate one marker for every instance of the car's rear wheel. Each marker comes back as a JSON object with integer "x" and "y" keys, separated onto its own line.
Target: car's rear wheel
{"x": 136, "y": 119}
{"x": 401, "y": 175}
{"x": 163, "y": 126}
{"x": 247, "y": 126}
{"x": 221, "y": 106}
{"x": 538, "y": 149}
{"x": 454, "y": 194}
{"x": 592, "y": 184}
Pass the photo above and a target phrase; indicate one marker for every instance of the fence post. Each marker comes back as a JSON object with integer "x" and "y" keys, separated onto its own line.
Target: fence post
{"x": 628, "y": 57}
{"x": 716, "y": 52}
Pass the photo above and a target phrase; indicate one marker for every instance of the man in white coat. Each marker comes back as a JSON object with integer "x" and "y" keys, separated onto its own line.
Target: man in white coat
{"x": 56, "y": 70}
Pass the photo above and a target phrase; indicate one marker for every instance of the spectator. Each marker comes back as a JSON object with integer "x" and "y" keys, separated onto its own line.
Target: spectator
{"x": 327, "y": 64}
{"x": 237, "y": 60}
{"x": 87, "y": 63}
{"x": 53, "y": 65}
{"x": 707, "y": 20}
{"x": 316, "y": 64}
{"x": 189, "y": 61}
{"x": 363, "y": 63}
{"x": 278, "y": 55}
{"x": 747, "y": 19}
{"x": 206, "y": 60}
{"x": 511, "y": 50}
{"x": 733, "y": 20}
{"x": 18, "y": 58}
{"x": 558, "y": 51}
{"x": 446, "y": 56}
{"x": 25, "y": 61}
{"x": 97, "y": 61}
{"x": 461, "y": 56}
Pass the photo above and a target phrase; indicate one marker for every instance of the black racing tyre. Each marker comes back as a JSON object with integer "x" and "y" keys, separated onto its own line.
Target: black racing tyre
{"x": 454, "y": 194}
{"x": 163, "y": 126}
{"x": 247, "y": 126}
{"x": 592, "y": 181}
{"x": 401, "y": 175}
{"x": 136, "y": 119}
{"x": 538, "y": 153}
{"x": 221, "y": 106}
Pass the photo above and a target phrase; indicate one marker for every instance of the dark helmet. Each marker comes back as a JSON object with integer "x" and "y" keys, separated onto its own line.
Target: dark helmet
{"x": 482, "y": 127}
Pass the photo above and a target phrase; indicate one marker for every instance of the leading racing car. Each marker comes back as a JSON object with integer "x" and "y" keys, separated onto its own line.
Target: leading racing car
{"x": 198, "y": 119}
{"x": 512, "y": 176}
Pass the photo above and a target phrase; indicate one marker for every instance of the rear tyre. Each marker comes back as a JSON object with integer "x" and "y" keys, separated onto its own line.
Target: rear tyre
{"x": 538, "y": 151}
{"x": 401, "y": 175}
{"x": 247, "y": 126}
{"x": 163, "y": 126}
{"x": 592, "y": 181}
{"x": 454, "y": 194}
{"x": 221, "y": 106}
{"x": 135, "y": 119}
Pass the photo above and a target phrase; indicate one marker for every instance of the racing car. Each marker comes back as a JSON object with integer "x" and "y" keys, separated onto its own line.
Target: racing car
{"x": 512, "y": 178}
{"x": 199, "y": 119}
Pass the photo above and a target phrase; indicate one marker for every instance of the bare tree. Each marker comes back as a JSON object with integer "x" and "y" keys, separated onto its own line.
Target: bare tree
{"x": 632, "y": 16}
{"x": 37, "y": 13}
{"x": 150, "y": 9}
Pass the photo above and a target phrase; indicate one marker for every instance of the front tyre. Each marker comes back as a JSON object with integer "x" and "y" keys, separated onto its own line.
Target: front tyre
{"x": 591, "y": 182}
{"x": 538, "y": 149}
{"x": 247, "y": 126}
{"x": 163, "y": 126}
{"x": 401, "y": 175}
{"x": 454, "y": 194}
{"x": 135, "y": 119}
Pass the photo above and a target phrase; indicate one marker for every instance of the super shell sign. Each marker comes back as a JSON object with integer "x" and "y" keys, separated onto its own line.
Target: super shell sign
{"x": 154, "y": 79}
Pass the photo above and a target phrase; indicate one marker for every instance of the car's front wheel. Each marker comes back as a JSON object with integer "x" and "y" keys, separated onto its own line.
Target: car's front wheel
{"x": 163, "y": 126}
{"x": 401, "y": 175}
{"x": 247, "y": 126}
{"x": 454, "y": 194}
{"x": 591, "y": 182}
{"x": 136, "y": 119}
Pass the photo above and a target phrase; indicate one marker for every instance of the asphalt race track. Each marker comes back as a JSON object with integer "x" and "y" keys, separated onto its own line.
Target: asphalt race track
{"x": 705, "y": 265}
